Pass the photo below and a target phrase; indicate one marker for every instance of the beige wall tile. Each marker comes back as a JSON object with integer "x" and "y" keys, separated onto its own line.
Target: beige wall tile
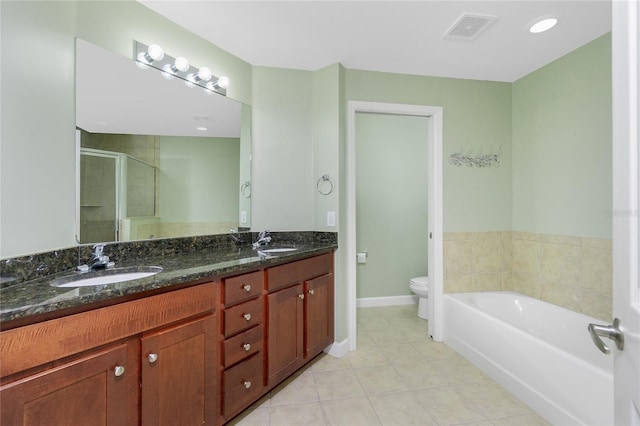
{"x": 526, "y": 284}
{"x": 526, "y": 256}
{"x": 565, "y": 240}
{"x": 487, "y": 282}
{"x": 558, "y": 294}
{"x": 458, "y": 256}
{"x": 487, "y": 255}
{"x": 507, "y": 281}
{"x": 493, "y": 235}
{"x": 458, "y": 283}
{"x": 597, "y": 305}
{"x": 601, "y": 243}
{"x": 528, "y": 236}
{"x": 560, "y": 264}
{"x": 597, "y": 269}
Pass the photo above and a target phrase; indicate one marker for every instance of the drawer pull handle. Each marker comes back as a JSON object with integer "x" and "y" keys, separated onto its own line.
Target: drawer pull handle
{"x": 247, "y": 347}
{"x": 247, "y": 317}
{"x": 119, "y": 370}
{"x": 247, "y": 288}
{"x": 246, "y": 384}
{"x": 152, "y": 358}
{"x": 301, "y": 296}
{"x": 311, "y": 292}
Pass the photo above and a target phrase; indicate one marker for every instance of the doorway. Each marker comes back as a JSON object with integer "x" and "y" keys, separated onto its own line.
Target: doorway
{"x": 391, "y": 206}
{"x": 434, "y": 116}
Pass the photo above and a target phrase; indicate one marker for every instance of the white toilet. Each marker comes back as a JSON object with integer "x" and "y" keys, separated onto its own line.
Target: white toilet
{"x": 420, "y": 287}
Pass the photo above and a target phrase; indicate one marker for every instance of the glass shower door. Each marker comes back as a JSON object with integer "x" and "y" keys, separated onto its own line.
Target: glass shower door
{"x": 99, "y": 175}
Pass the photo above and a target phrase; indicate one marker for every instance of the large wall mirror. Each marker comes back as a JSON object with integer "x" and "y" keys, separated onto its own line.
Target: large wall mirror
{"x": 156, "y": 159}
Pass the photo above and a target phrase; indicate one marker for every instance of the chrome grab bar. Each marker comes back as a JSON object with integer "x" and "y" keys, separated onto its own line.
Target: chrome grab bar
{"x": 612, "y": 332}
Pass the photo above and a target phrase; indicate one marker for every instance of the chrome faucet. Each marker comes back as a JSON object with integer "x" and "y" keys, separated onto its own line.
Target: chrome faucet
{"x": 98, "y": 259}
{"x": 235, "y": 237}
{"x": 263, "y": 239}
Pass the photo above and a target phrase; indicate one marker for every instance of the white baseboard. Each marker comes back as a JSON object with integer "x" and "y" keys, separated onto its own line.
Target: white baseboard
{"x": 371, "y": 302}
{"x": 338, "y": 349}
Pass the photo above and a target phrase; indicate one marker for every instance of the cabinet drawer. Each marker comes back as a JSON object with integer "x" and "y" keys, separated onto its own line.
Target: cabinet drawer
{"x": 292, "y": 273}
{"x": 242, "y": 317}
{"x": 243, "y": 287}
{"x": 242, "y": 346}
{"x": 242, "y": 385}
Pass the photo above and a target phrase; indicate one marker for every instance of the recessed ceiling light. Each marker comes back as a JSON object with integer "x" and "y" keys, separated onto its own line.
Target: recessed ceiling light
{"x": 201, "y": 128}
{"x": 542, "y": 24}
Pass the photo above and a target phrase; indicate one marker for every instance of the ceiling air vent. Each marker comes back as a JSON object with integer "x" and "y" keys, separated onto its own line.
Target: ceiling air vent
{"x": 468, "y": 27}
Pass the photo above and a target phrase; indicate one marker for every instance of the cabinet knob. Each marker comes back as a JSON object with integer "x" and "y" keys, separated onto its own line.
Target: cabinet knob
{"x": 247, "y": 347}
{"x": 247, "y": 288}
{"x": 311, "y": 292}
{"x": 247, "y": 317}
{"x": 247, "y": 384}
{"x": 152, "y": 357}
{"x": 301, "y": 296}
{"x": 119, "y": 370}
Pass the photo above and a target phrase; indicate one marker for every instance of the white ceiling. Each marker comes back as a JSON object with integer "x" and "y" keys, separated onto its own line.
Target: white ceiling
{"x": 391, "y": 36}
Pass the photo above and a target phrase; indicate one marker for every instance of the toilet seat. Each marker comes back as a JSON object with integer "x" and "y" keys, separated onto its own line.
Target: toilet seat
{"x": 421, "y": 281}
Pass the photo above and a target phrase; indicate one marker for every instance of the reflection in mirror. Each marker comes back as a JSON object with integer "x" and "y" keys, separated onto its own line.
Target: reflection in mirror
{"x": 157, "y": 159}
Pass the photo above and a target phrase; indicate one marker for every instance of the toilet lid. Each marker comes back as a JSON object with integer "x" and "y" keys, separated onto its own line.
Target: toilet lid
{"x": 424, "y": 281}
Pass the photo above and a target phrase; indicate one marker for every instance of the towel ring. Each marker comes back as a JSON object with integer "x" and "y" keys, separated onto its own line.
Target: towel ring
{"x": 245, "y": 189}
{"x": 324, "y": 178}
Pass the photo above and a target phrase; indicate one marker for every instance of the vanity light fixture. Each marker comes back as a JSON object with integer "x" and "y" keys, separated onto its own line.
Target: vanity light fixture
{"x": 153, "y": 56}
{"x": 542, "y": 24}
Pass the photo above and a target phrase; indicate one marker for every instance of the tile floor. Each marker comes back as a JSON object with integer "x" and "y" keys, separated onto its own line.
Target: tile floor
{"x": 397, "y": 376}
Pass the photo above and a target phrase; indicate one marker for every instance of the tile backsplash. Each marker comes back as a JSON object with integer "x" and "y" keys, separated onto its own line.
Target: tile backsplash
{"x": 572, "y": 272}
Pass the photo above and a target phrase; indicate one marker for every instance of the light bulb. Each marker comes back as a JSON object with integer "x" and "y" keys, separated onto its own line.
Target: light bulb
{"x": 155, "y": 52}
{"x": 543, "y": 25}
{"x": 223, "y": 82}
{"x": 204, "y": 74}
{"x": 181, "y": 64}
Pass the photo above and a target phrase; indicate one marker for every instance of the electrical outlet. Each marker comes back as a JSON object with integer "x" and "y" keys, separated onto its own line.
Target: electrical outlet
{"x": 243, "y": 216}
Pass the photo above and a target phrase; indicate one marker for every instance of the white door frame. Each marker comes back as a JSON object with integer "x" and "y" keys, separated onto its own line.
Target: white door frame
{"x": 626, "y": 199}
{"x": 435, "y": 216}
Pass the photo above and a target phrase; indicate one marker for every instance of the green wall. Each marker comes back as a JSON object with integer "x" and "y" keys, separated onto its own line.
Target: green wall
{"x": 477, "y": 116}
{"x": 191, "y": 165}
{"x": 562, "y": 145}
{"x": 391, "y": 202}
{"x": 38, "y": 163}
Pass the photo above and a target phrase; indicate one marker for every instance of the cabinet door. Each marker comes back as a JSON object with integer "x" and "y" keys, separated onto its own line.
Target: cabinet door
{"x": 318, "y": 314}
{"x": 179, "y": 375}
{"x": 99, "y": 389}
{"x": 285, "y": 325}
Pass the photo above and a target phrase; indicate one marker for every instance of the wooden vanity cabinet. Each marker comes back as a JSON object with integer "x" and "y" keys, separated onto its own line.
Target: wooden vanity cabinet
{"x": 177, "y": 375}
{"x": 242, "y": 342}
{"x": 94, "y": 389}
{"x": 300, "y": 314}
{"x": 96, "y": 367}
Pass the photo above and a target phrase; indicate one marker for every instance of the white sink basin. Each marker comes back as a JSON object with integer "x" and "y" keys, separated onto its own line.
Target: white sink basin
{"x": 279, "y": 250}
{"x": 107, "y": 276}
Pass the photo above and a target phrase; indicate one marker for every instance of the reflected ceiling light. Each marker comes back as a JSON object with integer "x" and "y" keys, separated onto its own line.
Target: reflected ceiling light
{"x": 153, "y": 56}
{"x": 542, "y": 24}
{"x": 201, "y": 128}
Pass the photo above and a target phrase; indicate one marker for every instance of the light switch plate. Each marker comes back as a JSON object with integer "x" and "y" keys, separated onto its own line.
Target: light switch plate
{"x": 331, "y": 218}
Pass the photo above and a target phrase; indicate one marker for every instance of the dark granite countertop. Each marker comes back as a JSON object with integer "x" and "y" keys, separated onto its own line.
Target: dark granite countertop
{"x": 35, "y": 297}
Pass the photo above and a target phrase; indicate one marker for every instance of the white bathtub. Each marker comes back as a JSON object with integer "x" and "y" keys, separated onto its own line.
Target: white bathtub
{"x": 540, "y": 352}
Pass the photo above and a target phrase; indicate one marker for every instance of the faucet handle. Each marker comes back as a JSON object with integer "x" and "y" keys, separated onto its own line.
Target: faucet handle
{"x": 98, "y": 249}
